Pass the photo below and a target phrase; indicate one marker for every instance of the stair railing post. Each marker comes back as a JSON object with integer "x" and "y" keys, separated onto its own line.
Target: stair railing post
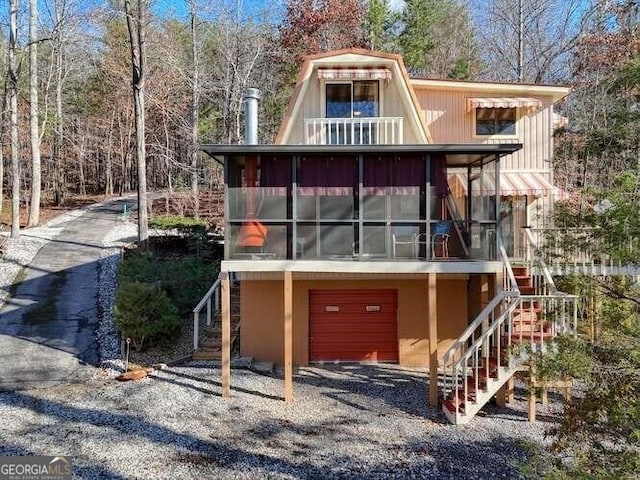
{"x": 196, "y": 333}
{"x": 575, "y": 317}
{"x": 209, "y": 312}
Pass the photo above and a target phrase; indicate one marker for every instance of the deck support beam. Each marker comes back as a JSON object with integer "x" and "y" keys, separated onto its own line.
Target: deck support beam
{"x": 225, "y": 294}
{"x": 432, "y": 322}
{"x": 288, "y": 336}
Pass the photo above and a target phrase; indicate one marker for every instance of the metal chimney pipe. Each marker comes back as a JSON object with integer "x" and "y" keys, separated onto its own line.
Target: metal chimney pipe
{"x": 251, "y": 97}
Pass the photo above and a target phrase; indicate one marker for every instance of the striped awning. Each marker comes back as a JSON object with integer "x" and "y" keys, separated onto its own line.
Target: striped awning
{"x": 512, "y": 184}
{"x": 503, "y": 102}
{"x": 354, "y": 74}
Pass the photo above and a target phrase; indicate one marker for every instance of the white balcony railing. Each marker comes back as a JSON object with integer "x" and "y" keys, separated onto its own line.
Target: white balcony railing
{"x": 354, "y": 131}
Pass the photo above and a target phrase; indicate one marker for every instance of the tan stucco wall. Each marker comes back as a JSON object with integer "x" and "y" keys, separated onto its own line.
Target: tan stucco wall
{"x": 262, "y": 314}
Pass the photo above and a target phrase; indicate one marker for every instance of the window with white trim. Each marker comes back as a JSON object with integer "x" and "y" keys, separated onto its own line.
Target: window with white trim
{"x": 352, "y": 102}
{"x": 495, "y": 121}
{"x": 352, "y": 99}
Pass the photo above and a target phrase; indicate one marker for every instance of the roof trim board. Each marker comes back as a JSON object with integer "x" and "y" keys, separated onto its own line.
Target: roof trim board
{"x": 556, "y": 92}
{"x": 458, "y": 155}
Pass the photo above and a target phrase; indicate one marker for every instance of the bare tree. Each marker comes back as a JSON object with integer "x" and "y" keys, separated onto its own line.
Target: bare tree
{"x": 58, "y": 47}
{"x": 13, "y": 105}
{"x": 36, "y": 183}
{"x": 195, "y": 99}
{"x": 136, "y": 25}
{"x": 529, "y": 43}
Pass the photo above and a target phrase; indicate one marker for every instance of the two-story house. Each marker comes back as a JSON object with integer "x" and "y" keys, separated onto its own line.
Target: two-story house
{"x": 369, "y": 232}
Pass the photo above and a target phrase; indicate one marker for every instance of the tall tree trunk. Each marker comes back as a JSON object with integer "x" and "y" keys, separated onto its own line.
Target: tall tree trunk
{"x": 36, "y": 182}
{"x": 109, "y": 167}
{"x": 58, "y": 175}
{"x": 13, "y": 105}
{"x": 2, "y": 119}
{"x": 81, "y": 176}
{"x": 195, "y": 94}
{"x": 166, "y": 157}
{"x": 136, "y": 26}
{"x": 520, "y": 41}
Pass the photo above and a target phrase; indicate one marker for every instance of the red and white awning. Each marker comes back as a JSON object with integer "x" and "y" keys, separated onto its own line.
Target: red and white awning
{"x": 513, "y": 184}
{"x": 354, "y": 74}
{"x": 503, "y": 102}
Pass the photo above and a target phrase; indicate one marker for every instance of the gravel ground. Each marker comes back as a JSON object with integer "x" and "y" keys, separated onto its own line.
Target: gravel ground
{"x": 345, "y": 422}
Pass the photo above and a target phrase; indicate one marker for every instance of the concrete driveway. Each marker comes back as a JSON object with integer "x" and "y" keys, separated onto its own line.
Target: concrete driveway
{"x": 48, "y": 323}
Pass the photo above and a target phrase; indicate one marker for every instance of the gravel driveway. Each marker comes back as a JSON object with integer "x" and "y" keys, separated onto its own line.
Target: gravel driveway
{"x": 345, "y": 422}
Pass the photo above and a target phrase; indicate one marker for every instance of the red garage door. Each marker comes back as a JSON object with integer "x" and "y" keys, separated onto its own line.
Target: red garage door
{"x": 353, "y": 326}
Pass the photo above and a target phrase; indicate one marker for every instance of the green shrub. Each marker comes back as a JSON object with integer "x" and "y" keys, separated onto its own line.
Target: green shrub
{"x": 184, "y": 280}
{"x": 168, "y": 222}
{"x": 144, "y": 313}
{"x": 194, "y": 229}
{"x": 187, "y": 280}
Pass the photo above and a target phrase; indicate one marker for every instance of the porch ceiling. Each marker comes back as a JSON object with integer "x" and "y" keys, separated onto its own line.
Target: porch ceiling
{"x": 457, "y": 154}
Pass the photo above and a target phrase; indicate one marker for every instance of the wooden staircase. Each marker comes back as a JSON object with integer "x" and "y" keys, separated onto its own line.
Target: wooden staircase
{"x": 524, "y": 323}
{"x": 522, "y": 318}
{"x": 210, "y": 340}
{"x": 528, "y": 321}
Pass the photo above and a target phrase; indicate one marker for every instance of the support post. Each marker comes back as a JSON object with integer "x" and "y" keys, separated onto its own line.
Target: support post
{"x": 288, "y": 336}
{"x": 532, "y": 398}
{"x": 226, "y": 334}
{"x": 510, "y": 391}
{"x": 544, "y": 397}
{"x": 432, "y": 322}
{"x": 501, "y": 396}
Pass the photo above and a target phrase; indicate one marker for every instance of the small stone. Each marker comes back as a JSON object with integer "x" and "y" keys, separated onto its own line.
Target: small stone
{"x": 262, "y": 367}
{"x": 242, "y": 363}
{"x": 132, "y": 375}
{"x": 159, "y": 366}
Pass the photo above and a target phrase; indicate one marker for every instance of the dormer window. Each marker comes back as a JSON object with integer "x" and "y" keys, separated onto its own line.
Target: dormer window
{"x": 495, "y": 121}
{"x": 351, "y": 105}
{"x": 352, "y": 99}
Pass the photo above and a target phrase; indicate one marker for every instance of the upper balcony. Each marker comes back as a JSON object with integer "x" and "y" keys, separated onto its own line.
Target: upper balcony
{"x": 354, "y": 131}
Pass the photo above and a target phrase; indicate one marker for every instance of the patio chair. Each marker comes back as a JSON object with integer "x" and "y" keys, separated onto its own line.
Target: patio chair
{"x": 404, "y": 238}
{"x": 440, "y": 239}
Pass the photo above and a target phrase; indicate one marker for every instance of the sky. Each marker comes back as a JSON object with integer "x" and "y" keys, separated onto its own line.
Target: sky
{"x": 248, "y": 8}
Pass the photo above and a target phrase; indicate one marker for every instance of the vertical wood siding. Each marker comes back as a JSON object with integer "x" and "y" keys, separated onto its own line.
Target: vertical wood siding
{"x": 449, "y": 122}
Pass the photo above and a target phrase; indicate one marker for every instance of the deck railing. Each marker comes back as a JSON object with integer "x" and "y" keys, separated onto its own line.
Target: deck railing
{"x": 354, "y": 131}
{"x": 579, "y": 250}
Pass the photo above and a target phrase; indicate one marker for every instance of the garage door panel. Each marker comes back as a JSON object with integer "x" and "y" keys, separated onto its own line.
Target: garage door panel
{"x": 353, "y": 325}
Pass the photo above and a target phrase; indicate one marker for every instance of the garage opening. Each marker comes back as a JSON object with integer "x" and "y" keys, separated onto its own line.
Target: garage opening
{"x": 353, "y": 325}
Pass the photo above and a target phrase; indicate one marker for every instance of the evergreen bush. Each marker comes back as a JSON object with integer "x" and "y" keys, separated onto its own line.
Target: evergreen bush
{"x": 144, "y": 313}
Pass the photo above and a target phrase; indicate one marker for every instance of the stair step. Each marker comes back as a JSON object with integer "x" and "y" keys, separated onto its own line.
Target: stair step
{"x": 470, "y": 397}
{"x": 451, "y": 406}
{"x": 206, "y": 355}
{"x": 525, "y": 309}
{"x": 536, "y": 336}
{"x": 216, "y": 330}
{"x": 527, "y": 290}
{"x": 520, "y": 271}
{"x": 524, "y": 280}
{"x": 471, "y": 383}
{"x": 526, "y": 318}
